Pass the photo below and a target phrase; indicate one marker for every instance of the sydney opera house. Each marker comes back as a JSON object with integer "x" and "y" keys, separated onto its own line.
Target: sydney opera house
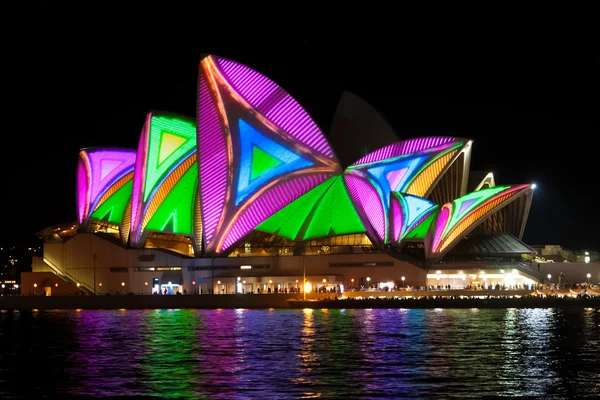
{"x": 252, "y": 195}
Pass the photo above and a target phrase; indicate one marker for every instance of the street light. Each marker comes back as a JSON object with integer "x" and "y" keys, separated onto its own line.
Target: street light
{"x": 589, "y": 276}
{"x": 78, "y": 284}
{"x": 403, "y": 279}
{"x": 122, "y": 283}
{"x": 549, "y": 276}
{"x": 369, "y": 282}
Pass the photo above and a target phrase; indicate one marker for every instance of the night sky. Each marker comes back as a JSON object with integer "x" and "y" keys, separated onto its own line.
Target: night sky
{"x": 531, "y": 107}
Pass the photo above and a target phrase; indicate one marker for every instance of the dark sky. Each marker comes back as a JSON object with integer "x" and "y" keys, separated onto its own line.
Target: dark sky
{"x": 530, "y": 103}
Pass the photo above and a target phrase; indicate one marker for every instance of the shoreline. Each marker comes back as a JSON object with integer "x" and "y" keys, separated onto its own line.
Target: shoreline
{"x": 276, "y": 301}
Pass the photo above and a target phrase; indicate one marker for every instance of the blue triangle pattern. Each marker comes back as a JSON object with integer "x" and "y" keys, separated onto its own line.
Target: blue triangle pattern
{"x": 379, "y": 173}
{"x": 250, "y": 137}
{"x": 417, "y": 206}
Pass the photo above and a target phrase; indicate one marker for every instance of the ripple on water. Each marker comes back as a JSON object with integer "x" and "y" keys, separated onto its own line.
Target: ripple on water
{"x": 275, "y": 354}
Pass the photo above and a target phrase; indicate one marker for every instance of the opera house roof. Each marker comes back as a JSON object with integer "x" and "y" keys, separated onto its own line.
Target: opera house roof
{"x": 255, "y": 160}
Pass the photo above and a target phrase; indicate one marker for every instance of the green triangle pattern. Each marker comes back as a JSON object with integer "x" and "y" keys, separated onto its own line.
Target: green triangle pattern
{"x": 176, "y": 212}
{"x": 262, "y": 162}
{"x": 169, "y": 129}
{"x": 113, "y": 208}
{"x": 289, "y": 220}
{"x": 335, "y": 214}
{"x": 420, "y": 231}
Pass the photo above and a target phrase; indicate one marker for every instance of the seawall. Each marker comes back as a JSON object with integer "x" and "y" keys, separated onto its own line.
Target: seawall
{"x": 273, "y": 301}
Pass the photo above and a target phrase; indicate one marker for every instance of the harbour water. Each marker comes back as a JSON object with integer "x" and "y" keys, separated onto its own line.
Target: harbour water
{"x": 288, "y": 354}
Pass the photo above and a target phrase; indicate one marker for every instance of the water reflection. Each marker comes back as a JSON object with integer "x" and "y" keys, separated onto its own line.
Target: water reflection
{"x": 377, "y": 353}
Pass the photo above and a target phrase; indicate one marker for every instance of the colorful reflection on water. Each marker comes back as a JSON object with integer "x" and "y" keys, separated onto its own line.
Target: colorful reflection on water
{"x": 276, "y": 354}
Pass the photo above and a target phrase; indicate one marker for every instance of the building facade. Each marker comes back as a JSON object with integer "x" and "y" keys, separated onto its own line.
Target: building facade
{"x": 250, "y": 196}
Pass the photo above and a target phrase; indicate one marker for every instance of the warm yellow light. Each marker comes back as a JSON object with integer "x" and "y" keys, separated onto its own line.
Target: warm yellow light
{"x": 352, "y": 280}
{"x": 35, "y": 285}
{"x": 403, "y": 278}
{"x": 307, "y": 287}
{"x": 324, "y": 280}
{"x": 146, "y": 283}
{"x": 270, "y": 281}
{"x": 122, "y": 283}
{"x": 218, "y": 282}
{"x": 244, "y": 281}
{"x": 368, "y": 279}
{"x": 56, "y": 284}
{"x": 78, "y": 284}
{"x": 100, "y": 284}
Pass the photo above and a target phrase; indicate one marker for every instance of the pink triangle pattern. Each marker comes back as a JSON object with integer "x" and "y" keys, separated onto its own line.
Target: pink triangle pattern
{"x": 395, "y": 177}
{"x": 107, "y": 166}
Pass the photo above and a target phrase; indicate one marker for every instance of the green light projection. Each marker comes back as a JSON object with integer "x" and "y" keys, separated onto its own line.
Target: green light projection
{"x": 261, "y": 162}
{"x": 325, "y": 210}
{"x": 169, "y": 140}
{"x": 334, "y": 214}
{"x": 420, "y": 231}
{"x": 176, "y": 211}
{"x": 113, "y": 208}
{"x": 289, "y": 220}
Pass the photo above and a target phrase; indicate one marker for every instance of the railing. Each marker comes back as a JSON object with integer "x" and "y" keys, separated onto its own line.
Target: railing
{"x": 68, "y": 277}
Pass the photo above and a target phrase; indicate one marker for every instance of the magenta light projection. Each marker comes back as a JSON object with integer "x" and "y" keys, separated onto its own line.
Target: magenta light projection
{"x": 405, "y": 147}
{"x": 396, "y": 217}
{"x": 138, "y": 179}
{"x": 99, "y": 173}
{"x": 368, "y": 204}
{"x": 258, "y": 150}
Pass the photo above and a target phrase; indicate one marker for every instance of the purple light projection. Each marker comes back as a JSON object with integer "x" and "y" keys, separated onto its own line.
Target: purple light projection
{"x": 97, "y": 171}
{"x": 365, "y": 198}
{"x": 397, "y": 214}
{"x": 107, "y": 166}
{"x": 406, "y": 147}
{"x": 138, "y": 180}
{"x": 212, "y": 153}
{"x": 83, "y": 186}
{"x": 228, "y": 93}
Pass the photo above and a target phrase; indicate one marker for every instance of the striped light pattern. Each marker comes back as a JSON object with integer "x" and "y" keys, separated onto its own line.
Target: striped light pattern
{"x": 237, "y": 106}
{"x": 423, "y": 183}
{"x": 275, "y": 104}
{"x": 405, "y": 147}
{"x": 100, "y": 173}
{"x": 214, "y": 160}
{"x": 367, "y": 201}
{"x": 271, "y": 202}
{"x": 448, "y": 231}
